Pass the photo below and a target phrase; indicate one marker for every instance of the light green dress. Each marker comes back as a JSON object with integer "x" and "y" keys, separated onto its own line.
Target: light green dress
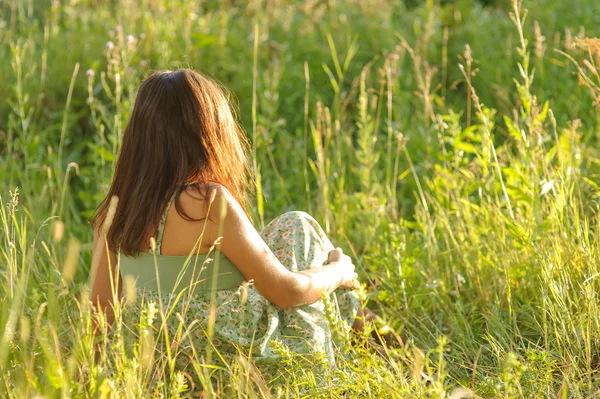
{"x": 246, "y": 323}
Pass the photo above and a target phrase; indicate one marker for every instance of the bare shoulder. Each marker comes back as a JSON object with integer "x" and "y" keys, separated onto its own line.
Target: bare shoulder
{"x": 195, "y": 215}
{"x": 206, "y": 200}
{"x": 195, "y": 199}
{"x": 221, "y": 199}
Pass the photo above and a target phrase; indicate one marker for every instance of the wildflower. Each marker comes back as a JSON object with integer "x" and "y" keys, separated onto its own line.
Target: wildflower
{"x": 433, "y": 284}
{"x": 110, "y": 45}
{"x": 130, "y": 42}
{"x": 142, "y": 36}
{"x": 152, "y": 311}
{"x": 591, "y": 45}
{"x": 90, "y": 73}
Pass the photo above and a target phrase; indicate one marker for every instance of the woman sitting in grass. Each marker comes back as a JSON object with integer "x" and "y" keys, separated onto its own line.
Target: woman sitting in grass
{"x": 180, "y": 224}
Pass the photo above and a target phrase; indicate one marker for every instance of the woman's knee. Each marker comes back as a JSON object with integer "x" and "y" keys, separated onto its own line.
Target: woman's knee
{"x": 291, "y": 218}
{"x": 298, "y": 225}
{"x": 296, "y": 215}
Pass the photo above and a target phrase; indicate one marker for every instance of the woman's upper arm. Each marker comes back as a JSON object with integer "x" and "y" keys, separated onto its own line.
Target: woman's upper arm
{"x": 243, "y": 245}
{"x": 104, "y": 269}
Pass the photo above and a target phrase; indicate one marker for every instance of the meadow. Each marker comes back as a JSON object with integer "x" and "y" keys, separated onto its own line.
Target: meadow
{"x": 451, "y": 147}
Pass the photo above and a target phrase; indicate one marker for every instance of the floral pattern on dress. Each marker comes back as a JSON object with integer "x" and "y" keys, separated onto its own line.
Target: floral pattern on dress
{"x": 247, "y": 323}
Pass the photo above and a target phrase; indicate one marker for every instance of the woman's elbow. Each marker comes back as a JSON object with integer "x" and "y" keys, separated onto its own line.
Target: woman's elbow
{"x": 294, "y": 293}
{"x": 287, "y": 301}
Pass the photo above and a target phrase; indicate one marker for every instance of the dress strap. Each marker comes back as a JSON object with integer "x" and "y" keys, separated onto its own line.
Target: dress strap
{"x": 161, "y": 225}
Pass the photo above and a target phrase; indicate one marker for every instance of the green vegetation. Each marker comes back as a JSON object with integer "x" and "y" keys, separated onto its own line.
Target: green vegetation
{"x": 451, "y": 147}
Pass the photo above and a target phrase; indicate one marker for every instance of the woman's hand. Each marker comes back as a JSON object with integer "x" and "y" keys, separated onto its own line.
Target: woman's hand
{"x": 349, "y": 277}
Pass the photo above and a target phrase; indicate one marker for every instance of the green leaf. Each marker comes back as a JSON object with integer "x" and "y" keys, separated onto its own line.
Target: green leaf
{"x": 334, "y": 83}
{"x": 512, "y": 129}
{"x": 591, "y": 183}
{"x": 404, "y": 174}
{"x": 313, "y": 167}
{"x": 259, "y": 196}
{"x": 105, "y": 154}
{"x": 466, "y": 147}
{"x": 203, "y": 40}
{"x": 543, "y": 114}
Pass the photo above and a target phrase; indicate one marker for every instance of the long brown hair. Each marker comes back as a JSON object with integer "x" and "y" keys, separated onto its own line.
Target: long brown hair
{"x": 181, "y": 131}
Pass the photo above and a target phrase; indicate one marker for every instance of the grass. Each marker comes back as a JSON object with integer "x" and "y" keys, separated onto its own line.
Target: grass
{"x": 463, "y": 179}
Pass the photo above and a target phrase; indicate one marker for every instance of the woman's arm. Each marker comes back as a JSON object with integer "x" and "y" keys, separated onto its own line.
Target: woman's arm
{"x": 104, "y": 277}
{"x": 243, "y": 245}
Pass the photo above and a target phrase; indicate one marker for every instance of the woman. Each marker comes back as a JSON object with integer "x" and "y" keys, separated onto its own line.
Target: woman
{"x": 181, "y": 181}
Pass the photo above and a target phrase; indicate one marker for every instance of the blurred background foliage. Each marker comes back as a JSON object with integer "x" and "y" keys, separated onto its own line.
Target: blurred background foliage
{"x": 216, "y": 37}
{"x": 467, "y": 197}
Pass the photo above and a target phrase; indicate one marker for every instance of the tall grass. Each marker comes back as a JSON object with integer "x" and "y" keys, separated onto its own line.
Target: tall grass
{"x": 451, "y": 148}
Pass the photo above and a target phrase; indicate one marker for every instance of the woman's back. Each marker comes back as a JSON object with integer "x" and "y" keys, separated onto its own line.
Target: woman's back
{"x": 184, "y": 255}
{"x": 192, "y": 233}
